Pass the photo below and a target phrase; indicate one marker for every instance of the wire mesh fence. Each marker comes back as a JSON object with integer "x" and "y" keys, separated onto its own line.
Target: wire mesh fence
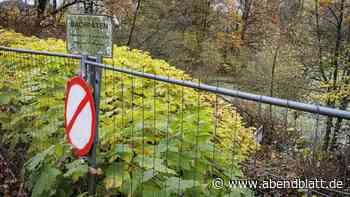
{"x": 33, "y": 86}
{"x": 165, "y": 135}
{"x": 171, "y": 135}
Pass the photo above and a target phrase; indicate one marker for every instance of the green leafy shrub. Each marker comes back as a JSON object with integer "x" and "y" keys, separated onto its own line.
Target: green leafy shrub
{"x": 155, "y": 138}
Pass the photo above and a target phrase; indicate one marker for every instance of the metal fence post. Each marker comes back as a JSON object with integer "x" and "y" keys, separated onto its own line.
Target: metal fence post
{"x": 93, "y": 76}
{"x": 83, "y": 67}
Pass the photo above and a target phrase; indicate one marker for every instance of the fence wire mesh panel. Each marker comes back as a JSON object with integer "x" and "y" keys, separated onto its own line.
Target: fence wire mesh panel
{"x": 32, "y": 104}
{"x": 201, "y": 126}
{"x": 29, "y": 83}
{"x": 163, "y": 133}
{"x": 168, "y": 139}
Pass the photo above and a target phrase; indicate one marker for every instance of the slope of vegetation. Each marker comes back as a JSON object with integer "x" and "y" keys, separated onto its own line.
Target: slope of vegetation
{"x": 155, "y": 138}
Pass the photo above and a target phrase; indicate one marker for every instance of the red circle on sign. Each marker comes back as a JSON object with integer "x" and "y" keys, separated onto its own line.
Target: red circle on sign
{"x": 87, "y": 99}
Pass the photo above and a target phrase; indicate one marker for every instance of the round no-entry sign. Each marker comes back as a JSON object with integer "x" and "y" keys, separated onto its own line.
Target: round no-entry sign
{"x": 79, "y": 115}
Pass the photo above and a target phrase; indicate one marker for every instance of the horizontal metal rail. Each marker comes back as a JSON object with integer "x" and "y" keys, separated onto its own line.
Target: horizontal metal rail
{"x": 311, "y": 108}
{"x": 72, "y": 56}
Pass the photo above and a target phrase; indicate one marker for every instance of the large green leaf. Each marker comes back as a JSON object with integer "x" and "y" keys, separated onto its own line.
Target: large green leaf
{"x": 124, "y": 152}
{"x": 175, "y": 184}
{"x": 5, "y": 99}
{"x": 76, "y": 169}
{"x": 46, "y": 181}
{"x": 116, "y": 174}
{"x": 34, "y": 162}
{"x": 153, "y": 163}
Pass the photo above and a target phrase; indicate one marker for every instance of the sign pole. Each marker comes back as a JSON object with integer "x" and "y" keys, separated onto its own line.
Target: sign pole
{"x": 83, "y": 69}
{"x": 94, "y": 76}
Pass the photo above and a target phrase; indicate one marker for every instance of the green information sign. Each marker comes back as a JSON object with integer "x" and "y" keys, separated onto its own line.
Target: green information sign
{"x": 89, "y": 35}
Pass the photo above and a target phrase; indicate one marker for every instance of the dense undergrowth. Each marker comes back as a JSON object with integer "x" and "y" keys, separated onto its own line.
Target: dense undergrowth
{"x": 155, "y": 138}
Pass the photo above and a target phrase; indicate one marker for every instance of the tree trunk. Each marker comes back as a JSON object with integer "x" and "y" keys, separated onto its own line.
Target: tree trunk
{"x": 247, "y": 5}
{"x": 54, "y": 5}
{"x": 134, "y": 23}
{"x": 41, "y": 8}
{"x": 89, "y": 7}
{"x": 329, "y": 125}
{"x": 334, "y": 77}
{"x": 320, "y": 62}
{"x": 268, "y": 133}
{"x": 338, "y": 125}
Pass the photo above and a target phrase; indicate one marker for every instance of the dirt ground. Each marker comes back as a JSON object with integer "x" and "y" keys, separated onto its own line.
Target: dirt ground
{"x": 11, "y": 179}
